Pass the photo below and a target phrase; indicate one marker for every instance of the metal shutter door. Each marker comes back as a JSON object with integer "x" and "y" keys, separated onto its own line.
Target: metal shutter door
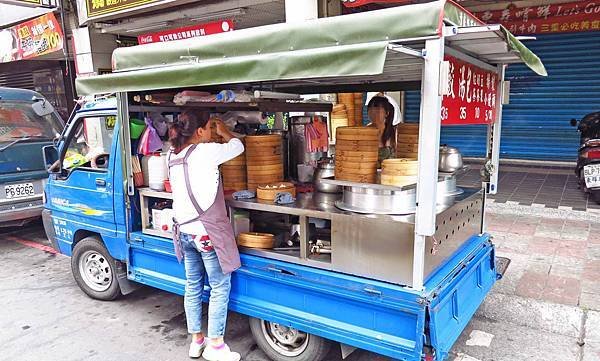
{"x": 536, "y": 122}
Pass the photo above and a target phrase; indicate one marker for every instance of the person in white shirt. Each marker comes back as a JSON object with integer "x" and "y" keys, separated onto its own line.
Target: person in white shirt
{"x": 203, "y": 235}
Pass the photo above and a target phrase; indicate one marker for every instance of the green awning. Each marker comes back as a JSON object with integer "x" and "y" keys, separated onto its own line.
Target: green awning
{"x": 337, "y": 47}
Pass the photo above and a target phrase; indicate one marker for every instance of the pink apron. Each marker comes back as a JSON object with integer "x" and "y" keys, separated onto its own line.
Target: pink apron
{"x": 215, "y": 221}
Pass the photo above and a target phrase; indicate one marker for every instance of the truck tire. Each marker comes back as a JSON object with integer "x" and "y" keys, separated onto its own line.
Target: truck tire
{"x": 281, "y": 343}
{"x": 94, "y": 270}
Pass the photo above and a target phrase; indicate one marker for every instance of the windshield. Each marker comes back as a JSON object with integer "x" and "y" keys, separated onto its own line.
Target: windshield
{"x": 18, "y": 120}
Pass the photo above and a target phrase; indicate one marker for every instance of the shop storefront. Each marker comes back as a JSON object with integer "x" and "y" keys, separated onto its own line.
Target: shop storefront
{"x": 106, "y": 25}
{"x": 536, "y": 122}
{"x": 32, "y": 57}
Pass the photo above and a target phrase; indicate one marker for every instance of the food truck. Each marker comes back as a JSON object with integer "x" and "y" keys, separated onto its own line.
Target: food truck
{"x": 396, "y": 270}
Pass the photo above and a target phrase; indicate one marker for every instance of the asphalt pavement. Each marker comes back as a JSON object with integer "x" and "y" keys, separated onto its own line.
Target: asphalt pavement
{"x": 44, "y": 316}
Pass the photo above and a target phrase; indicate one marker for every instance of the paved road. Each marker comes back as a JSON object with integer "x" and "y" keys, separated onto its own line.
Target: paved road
{"x": 44, "y": 316}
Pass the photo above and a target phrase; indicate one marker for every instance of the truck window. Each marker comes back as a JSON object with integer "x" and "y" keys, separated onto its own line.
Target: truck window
{"x": 90, "y": 146}
{"x": 19, "y": 121}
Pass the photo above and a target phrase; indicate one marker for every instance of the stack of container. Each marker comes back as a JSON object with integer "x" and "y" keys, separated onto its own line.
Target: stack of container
{"x": 234, "y": 173}
{"x": 399, "y": 171}
{"x": 339, "y": 118}
{"x": 356, "y": 154}
{"x": 407, "y": 140}
{"x": 264, "y": 159}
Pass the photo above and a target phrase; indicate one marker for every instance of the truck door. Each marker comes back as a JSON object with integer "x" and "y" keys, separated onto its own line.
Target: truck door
{"x": 85, "y": 188}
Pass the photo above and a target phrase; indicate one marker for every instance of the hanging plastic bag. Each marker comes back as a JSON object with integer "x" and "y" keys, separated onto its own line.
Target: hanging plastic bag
{"x": 150, "y": 141}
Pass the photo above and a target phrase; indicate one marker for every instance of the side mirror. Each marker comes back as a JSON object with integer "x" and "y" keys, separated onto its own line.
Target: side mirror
{"x": 42, "y": 107}
{"x": 573, "y": 122}
{"x": 51, "y": 159}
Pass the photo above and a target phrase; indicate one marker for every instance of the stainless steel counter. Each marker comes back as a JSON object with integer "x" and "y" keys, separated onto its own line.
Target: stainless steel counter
{"x": 322, "y": 205}
{"x": 373, "y": 246}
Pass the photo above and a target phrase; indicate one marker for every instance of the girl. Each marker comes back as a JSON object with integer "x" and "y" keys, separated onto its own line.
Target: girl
{"x": 382, "y": 115}
{"x": 203, "y": 235}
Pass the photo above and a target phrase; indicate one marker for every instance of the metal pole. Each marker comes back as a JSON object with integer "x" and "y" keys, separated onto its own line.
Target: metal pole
{"x": 123, "y": 114}
{"x": 429, "y": 144}
{"x": 66, "y": 50}
{"x": 496, "y": 133}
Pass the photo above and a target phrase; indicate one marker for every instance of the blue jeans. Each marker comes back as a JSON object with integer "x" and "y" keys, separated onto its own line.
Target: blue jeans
{"x": 196, "y": 265}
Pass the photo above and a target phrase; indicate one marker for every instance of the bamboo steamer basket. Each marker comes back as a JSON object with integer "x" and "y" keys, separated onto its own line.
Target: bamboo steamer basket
{"x": 263, "y": 151}
{"x": 264, "y": 159}
{"x": 358, "y": 108}
{"x": 266, "y": 172}
{"x": 269, "y": 191}
{"x": 396, "y": 166}
{"x": 359, "y": 164}
{"x": 359, "y": 178}
{"x": 264, "y": 167}
{"x": 348, "y": 100}
{"x": 235, "y": 179}
{"x": 235, "y": 186}
{"x": 407, "y": 154}
{"x": 256, "y": 240}
{"x": 237, "y": 161}
{"x": 356, "y": 154}
{"x": 265, "y": 178}
{"x": 341, "y": 171}
{"x": 356, "y": 145}
{"x": 233, "y": 171}
{"x": 407, "y": 147}
{"x": 363, "y": 154}
{"x": 408, "y": 139}
{"x": 263, "y": 139}
{"x": 353, "y": 131}
{"x": 357, "y": 159}
{"x": 397, "y": 180}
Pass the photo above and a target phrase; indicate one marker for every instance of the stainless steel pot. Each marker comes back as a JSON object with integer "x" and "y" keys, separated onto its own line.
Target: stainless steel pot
{"x": 450, "y": 159}
{"x": 325, "y": 169}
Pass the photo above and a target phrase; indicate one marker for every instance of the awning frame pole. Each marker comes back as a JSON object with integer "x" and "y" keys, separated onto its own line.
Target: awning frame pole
{"x": 429, "y": 144}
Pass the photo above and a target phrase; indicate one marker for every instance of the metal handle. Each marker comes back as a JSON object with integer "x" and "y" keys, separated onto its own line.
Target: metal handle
{"x": 372, "y": 291}
{"x": 100, "y": 182}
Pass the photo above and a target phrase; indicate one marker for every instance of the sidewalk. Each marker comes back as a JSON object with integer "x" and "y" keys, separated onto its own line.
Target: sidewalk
{"x": 549, "y": 187}
{"x": 547, "y": 306}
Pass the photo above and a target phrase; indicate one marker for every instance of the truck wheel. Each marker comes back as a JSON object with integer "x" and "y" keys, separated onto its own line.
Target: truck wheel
{"x": 282, "y": 343}
{"x": 94, "y": 270}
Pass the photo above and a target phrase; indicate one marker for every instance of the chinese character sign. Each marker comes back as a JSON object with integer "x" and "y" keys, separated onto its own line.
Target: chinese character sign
{"x": 187, "y": 32}
{"x": 555, "y": 18}
{"x": 472, "y": 94}
{"x": 31, "y": 39}
{"x": 107, "y": 7}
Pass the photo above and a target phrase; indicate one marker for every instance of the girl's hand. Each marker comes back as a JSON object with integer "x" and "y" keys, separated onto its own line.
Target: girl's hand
{"x": 222, "y": 130}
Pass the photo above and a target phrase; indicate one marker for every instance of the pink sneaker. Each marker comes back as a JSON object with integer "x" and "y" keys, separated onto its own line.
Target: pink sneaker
{"x": 222, "y": 353}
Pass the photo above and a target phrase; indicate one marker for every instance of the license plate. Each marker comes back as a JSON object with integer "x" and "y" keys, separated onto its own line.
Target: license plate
{"x": 592, "y": 175}
{"x": 19, "y": 190}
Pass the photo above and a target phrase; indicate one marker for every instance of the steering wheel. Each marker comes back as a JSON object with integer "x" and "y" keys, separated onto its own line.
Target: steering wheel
{"x": 100, "y": 161}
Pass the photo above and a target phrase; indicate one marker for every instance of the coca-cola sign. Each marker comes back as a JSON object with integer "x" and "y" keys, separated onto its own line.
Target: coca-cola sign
{"x": 187, "y": 32}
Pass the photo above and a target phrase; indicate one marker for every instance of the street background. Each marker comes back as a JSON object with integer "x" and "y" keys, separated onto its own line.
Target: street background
{"x": 546, "y": 308}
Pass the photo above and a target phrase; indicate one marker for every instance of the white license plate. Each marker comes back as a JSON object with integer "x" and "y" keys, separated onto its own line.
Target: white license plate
{"x": 19, "y": 190}
{"x": 592, "y": 175}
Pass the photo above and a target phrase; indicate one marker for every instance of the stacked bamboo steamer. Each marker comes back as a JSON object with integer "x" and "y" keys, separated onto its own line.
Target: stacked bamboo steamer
{"x": 407, "y": 140}
{"x": 356, "y": 154}
{"x": 264, "y": 159}
{"x": 234, "y": 173}
{"x": 348, "y": 100}
{"x": 399, "y": 171}
{"x": 358, "y": 109}
{"x": 339, "y": 118}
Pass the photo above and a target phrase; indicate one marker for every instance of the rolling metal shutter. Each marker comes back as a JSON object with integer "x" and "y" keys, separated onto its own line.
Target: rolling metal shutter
{"x": 17, "y": 80}
{"x": 535, "y": 124}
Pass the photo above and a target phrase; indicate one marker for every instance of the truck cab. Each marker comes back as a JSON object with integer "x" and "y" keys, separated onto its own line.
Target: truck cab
{"x": 28, "y": 122}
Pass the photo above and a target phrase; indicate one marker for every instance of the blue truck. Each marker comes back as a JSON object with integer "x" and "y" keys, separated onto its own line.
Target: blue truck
{"x": 398, "y": 271}
{"x": 28, "y": 122}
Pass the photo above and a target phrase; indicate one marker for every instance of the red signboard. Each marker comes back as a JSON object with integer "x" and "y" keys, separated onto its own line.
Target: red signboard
{"x": 187, "y": 32}
{"x": 472, "y": 98}
{"x": 556, "y": 18}
{"x": 357, "y": 3}
{"x": 31, "y": 39}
